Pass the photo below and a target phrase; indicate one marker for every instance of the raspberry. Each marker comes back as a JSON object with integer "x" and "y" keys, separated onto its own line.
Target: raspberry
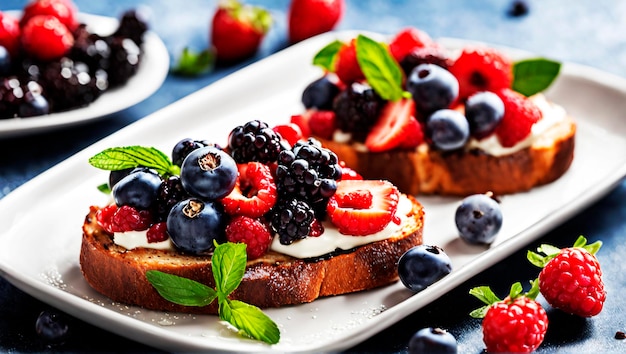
{"x": 122, "y": 219}
{"x": 46, "y": 38}
{"x": 252, "y": 232}
{"x": 520, "y": 114}
{"x": 407, "y": 40}
{"x": 517, "y": 324}
{"x": 254, "y": 193}
{"x": 322, "y": 123}
{"x": 157, "y": 232}
{"x": 481, "y": 69}
{"x": 571, "y": 278}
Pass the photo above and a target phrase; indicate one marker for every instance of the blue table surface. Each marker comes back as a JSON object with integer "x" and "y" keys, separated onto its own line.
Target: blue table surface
{"x": 592, "y": 33}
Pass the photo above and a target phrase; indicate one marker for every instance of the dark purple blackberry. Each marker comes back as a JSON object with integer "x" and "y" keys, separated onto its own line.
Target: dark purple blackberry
{"x": 68, "y": 84}
{"x": 124, "y": 60}
{"x": 5, "y": 61}
{"x": 356, "y": 109}
{"x": 170, "y": 192}
{"x": 33, "y": 104}
{"x": 91, "y": 49}
{"x": 291, "y": 219}
{"x": 308, "y": 172}
{"x": 425, "y": 55}
{"x": 11, "y": 96}
{"x": 133, "y": 25}
{"x": 185, "y": 147}
{"x": 255, "y": 141}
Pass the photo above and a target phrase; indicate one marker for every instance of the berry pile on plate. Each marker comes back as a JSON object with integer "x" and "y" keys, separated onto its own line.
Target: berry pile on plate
{"x": 51, "y": 62}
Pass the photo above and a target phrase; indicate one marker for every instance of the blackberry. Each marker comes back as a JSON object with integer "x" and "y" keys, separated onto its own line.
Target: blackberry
{"x": 68, "y": 84}
{"x": 11, "y": 96}
{"x": 133, "y": 25}
{"x": 123, "y": 61}
{"x": 91, "y": 49}
{"x": 255, "y": 141}
{"x": 170, "y": 192}
{"x": 308, "y": 172}
{"x": 356, "y": 109}
{"x": 291, "y": 219}
{"x": 425, "y": 55}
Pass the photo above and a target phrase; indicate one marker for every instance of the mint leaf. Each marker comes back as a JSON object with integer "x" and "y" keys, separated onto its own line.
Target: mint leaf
{"x": 229, "y": 265}
{"x": 484, "y": 294}
{"x": 516, "y": 290}
{"x": 326, "y": 57}
{"x": 251, "y": 321}
{"x": 119, "y": 158}
{"x": 380, "y": 69}
{"x": 181, "y": 290}
{"x": 104, "y": 188}
{"x": 531, "y": 76}
{"x": 194, "y": 63}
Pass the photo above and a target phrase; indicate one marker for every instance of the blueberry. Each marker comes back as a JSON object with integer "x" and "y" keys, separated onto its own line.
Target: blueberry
{"x": 484, "y": 111}
{"x": 447, "y": 129}
{"x": 5, "y": 61}
{"x": 423, "y": 265}
{"x": 432, "y": 87}
{"x": 320, "y": 94}
{"x": 432, "y": 340}
{"x": 138, "y": 190}
{"x": 209, "y": 173}
{"x": 194, "y": 224}
{"x": 478, "y": 219}
{"x": 52, "y": 326}
{"x": 33, "y": 105}
{"x": 185, "y": 147}
{"x": 117, "y": 175}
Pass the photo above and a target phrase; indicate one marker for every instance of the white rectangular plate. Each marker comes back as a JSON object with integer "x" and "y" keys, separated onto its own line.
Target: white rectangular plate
{"x": 41, "y": 221}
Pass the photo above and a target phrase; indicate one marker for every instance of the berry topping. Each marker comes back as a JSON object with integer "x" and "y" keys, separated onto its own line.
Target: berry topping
{"x": 363, "y": 207}
{"x": 133, "y": 25}
{"x": 255, "y": 141}
{"x": 484, "y": 111}
{"x": 347, "y": 67}
{"x": 124, "y": 60}
{"x": 482, "y": 69}
{"x": 407, "y": 40}
{"x": 138, "y": 190}
{"x": 194, "y": 225}
{"x": 516, "y": 324}
{"x": 394, "y": 127}
{"x": 571, "y": 278}
{"x": 252, "y": 232}
{"x": 46, "y": 38}
{"x": 320, "y": 93}
{"x": 308, "y": 18}
{"x": 447, "y": 129}
{"x": 357, "y": 109}
{"x": 349, "y": 174}
{"x": 290, "y": 132}
{"x": 520, "y": 114}
{"x": 292, "y": 219}
{"x": 255, "y": 192}
{"x": 432, "y": 88}
{"x": 323, "y": 123}
{"x": 423, "y": 265}
{"x": 170, "y": 192}
{"x": 209, "y": 173}
{"x": 184, "y": 147}
{"x": 432, "y": 340}
{"x": 478, "y": 219}
{"x": 157, "y": 232}
{"x": 432, "y": 54}
{"x": 122, "y": 219}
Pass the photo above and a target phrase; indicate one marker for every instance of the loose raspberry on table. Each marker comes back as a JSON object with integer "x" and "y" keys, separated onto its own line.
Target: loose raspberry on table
{"x": 254, "y": 233}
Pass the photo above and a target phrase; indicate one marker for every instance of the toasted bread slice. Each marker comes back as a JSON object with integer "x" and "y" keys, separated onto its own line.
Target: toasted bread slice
{"x": 271, "y": 281}
{"x": 424, "y": 170}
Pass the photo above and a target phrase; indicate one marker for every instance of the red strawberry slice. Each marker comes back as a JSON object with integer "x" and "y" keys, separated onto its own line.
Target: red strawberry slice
{"x": 347, "y": 67}
{"x": 290, "y": 132}
{"x": 393, "y": 127}
{"x": 254, "y": 193}
{"x": 322, "y": 123}
{"x": 520, "y": 114}
{"x": 407, "y": 40}
{"x": 414, "y": 135}
{"x": 302, "y": 121}
{"x": 363, "y": 207}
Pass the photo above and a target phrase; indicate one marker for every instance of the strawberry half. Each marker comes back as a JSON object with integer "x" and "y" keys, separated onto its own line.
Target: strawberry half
{"x": 237, "y": 30}
{"x": 363, "y": 207}
{"x": 395, "y": 126}
{"x": 520, "y": 114}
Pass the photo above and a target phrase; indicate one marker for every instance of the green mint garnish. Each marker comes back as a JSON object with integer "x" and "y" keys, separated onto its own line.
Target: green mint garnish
{"x": 228, "y": 265}
{"x": 545, "y": 253}
{"x": 487, "y": 296}
{"x": 380, "y": 69}
{"x": 194, "y": 63}
{"x": 119, "y": 158}
{"x": 531, "y": 76}
{"x": 326, "y": 57}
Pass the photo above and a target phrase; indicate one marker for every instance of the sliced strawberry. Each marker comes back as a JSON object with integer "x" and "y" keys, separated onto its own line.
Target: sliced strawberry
{"x": 520, "y": 114}
{"x": 393, "y": 126}
{"x": 254, "y": 193}
{"x": 347, "y": 67}
{"x": 322, "y": 123}
{"x": 363, "y": 207}
{"x": 348, "y": 173}
{"x": 407, "y": 40}
{"x": 302, "y": 121}
{"x": 290, "y": 132}
{"x": 414, "y": 135}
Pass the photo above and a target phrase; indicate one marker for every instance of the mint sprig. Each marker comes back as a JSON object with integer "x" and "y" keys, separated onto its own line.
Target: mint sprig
{"x": 120, "y": 158}
{"x": 545, "y": 253}
{"x": 327, "y": 56}
{"x": 191, "y": 63}
{"x": 534, "y": 75}
{"x": 380, "y": 69}
{"x": 487, "y": 296}
{"x": 228, "y": 265}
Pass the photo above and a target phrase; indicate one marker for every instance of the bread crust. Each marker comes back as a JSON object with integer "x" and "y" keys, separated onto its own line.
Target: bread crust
{"x": 424, "y": 170}
{"x": 272, "y": 281}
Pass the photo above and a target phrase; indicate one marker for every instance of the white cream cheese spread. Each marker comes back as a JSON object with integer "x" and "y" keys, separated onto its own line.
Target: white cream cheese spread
{"x": 135, "y": 239}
